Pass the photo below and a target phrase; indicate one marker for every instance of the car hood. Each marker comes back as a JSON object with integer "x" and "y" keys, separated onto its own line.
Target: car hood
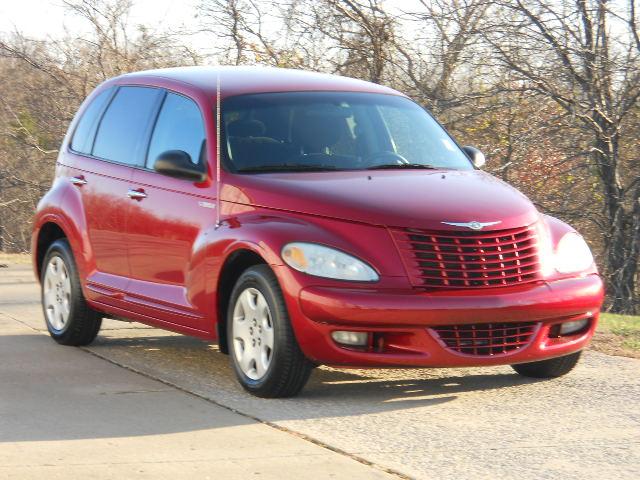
{"x": 407, "y": 198}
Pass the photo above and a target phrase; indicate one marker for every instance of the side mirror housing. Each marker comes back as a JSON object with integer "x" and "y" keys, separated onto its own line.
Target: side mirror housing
{"x": 475, "y": 155}
{"x": 178, "y": 164}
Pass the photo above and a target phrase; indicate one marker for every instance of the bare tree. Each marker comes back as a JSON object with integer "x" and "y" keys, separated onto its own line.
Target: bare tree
{"x": 44, "y": 82}
{"x": 550, "y": 89}
{"x": 579, "y": 54}
{"x": 363, "y": 31}
{"x": 267, "y": 32}
{"x": 442, "y": 63}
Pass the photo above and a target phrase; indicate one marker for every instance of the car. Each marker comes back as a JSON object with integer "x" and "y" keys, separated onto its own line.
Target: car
{"x": 301, "y": 219}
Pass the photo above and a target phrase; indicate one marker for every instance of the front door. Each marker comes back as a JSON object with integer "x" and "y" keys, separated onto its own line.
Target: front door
{"x": 166, "y": 222}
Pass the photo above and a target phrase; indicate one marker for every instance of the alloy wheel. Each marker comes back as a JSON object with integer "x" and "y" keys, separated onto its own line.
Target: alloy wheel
{"x": 57, "y": 293}
{"x": 252, "y": 333}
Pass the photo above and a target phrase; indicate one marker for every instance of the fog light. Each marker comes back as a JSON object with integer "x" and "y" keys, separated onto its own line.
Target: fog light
{"x": 356, "y": 339}
{"x": 567, "y": 328}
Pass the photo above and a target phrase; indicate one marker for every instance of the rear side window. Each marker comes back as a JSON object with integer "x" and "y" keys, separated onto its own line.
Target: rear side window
{"x": 179, "y": 127}
{"x": 83, "y": 135}
{"x": 121, "y": 134}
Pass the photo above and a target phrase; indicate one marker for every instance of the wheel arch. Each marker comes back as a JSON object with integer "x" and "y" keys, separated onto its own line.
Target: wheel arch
{"x": 49, "y": 232}
{"x": 234, "y": 265}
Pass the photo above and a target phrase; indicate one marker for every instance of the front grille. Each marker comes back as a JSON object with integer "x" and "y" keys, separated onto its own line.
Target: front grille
{"x": 486, "y": 338}
{"x": 469, "y": 259}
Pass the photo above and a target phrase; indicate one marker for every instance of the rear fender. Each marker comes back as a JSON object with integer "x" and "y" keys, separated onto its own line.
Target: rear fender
{"x": 62, "y": 205}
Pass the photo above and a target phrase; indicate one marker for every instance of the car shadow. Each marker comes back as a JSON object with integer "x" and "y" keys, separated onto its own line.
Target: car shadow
{"x": 199, "y": 367}
{"x": 51, "y": 392}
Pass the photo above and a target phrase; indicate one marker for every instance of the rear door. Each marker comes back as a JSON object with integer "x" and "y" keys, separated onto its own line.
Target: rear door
{"x": 168, "y": 220}
{"x": 107, "y": 145}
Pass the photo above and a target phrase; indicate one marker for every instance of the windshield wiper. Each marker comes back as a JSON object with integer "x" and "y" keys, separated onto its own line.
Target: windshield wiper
{"x": 288, "y": 168}
{"x": 393, "y": 166}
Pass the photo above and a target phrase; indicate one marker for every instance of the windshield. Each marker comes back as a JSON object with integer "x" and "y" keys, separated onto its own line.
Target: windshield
{"x": 307, "y": 131}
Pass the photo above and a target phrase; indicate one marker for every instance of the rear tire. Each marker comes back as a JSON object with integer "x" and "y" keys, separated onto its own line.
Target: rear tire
{"x": 552, "y": 368}
{"x": 263, "y": 348}
{"x": 70, "y": 320}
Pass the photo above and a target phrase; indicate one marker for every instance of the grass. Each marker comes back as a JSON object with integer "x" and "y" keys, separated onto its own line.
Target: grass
{"x": 618, "y": 335}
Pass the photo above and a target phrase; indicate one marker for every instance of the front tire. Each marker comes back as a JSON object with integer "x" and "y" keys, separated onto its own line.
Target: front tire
{"x": 552, "y": 368}
{"x": 263, "y": 348}
{"x": 70, "y": 320}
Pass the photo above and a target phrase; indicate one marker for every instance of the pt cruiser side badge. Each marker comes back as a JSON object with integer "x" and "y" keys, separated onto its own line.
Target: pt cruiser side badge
{"x": 472, "y": 225}
{"x": 207, "y": 204}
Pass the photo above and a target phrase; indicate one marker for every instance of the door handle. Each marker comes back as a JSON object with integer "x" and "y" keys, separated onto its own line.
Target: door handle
{"x": 137, "y": 194}
{"x": 79, "y": 180}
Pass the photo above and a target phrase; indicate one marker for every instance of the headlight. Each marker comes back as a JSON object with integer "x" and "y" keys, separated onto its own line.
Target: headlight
{"x": 572, "y": 254}
{"x": 326, "y": 262}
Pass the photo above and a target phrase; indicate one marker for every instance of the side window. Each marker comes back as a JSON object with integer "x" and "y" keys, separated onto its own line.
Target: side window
{"x": 83, "y": 135}
{"x": 179, "y": 127}
{"x": 121, "y": 134}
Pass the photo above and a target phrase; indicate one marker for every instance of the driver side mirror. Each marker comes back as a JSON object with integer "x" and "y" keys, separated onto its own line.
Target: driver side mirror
{"x": 178, "y": 164}
{"x": 475, "y": 155}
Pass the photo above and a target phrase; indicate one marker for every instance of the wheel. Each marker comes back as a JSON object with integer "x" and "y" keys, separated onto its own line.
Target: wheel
{"x": 554, "y": 367}
{"x": 69, "y": 319}
{"x": 264, "y": 352}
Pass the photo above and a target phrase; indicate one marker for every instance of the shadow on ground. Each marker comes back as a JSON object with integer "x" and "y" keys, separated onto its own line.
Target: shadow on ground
{"x": 200, "y": 367}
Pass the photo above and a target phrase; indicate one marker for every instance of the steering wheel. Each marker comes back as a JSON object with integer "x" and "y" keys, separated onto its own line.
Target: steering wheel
{"x": 391, "y": 157}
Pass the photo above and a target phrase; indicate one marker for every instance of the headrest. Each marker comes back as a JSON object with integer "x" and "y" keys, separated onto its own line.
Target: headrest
{"x": 317, "y": 129}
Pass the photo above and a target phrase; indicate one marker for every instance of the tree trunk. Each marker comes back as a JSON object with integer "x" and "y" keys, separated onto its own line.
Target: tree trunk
{"x": 624, "y": 281}
{"x": 1, "y": 223}
{"x": 623, "y": 216}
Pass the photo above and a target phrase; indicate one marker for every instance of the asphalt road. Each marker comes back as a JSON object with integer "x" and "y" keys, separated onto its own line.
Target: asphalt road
{"x": 420, "y": 423}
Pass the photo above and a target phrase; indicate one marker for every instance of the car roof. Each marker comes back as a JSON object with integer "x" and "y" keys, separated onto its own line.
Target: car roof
{"x": 253, "y": 79}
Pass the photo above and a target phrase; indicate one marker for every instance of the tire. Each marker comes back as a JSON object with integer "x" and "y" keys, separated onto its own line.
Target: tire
{"x": 70, "y": 320}
{"x": 263, "y": 348}
{"x": 554, "y": 367}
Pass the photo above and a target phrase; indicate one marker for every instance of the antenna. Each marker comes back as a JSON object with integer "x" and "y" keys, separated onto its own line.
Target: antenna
{"x": 218, "y": 150}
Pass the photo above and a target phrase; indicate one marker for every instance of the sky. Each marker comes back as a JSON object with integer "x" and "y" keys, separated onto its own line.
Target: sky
{"x": 42, "y": 18}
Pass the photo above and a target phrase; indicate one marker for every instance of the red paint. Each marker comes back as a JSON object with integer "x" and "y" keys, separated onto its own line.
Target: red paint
{"x": 158, "y": 259}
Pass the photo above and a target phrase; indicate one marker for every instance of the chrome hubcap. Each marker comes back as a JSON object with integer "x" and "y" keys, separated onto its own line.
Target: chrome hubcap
{"x": 57, "y": 293}
{"x": 252, "y": 333}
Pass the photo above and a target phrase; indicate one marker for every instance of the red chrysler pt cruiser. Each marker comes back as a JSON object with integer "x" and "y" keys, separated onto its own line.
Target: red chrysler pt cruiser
{"x": 301, "y": 219}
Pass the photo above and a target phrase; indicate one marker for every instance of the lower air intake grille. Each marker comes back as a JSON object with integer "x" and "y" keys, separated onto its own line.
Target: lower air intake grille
{"x": 486, "y": 338}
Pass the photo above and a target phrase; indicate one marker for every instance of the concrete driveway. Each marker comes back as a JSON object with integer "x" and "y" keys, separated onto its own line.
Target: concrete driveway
{"x": 420, "y": 423}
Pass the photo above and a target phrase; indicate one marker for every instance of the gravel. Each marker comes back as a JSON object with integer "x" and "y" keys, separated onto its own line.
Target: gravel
{"x": 423, "y": 423}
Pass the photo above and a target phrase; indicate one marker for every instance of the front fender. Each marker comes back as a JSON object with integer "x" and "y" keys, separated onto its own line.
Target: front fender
{"x": 265, "y": 232}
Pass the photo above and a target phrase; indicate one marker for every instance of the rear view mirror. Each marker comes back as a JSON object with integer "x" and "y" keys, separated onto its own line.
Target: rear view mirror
{"x": 475, "y": 155}
{"x": 178, "y": 164}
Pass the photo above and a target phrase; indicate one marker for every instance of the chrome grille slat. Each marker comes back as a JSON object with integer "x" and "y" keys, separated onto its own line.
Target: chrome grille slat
{"x": 462, "y": 259}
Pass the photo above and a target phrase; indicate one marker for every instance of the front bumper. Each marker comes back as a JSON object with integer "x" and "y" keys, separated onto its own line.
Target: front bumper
{"x": 403, "y": 317}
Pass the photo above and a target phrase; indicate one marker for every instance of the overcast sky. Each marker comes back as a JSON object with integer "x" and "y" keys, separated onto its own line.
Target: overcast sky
{"x": 40, "y": 18}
